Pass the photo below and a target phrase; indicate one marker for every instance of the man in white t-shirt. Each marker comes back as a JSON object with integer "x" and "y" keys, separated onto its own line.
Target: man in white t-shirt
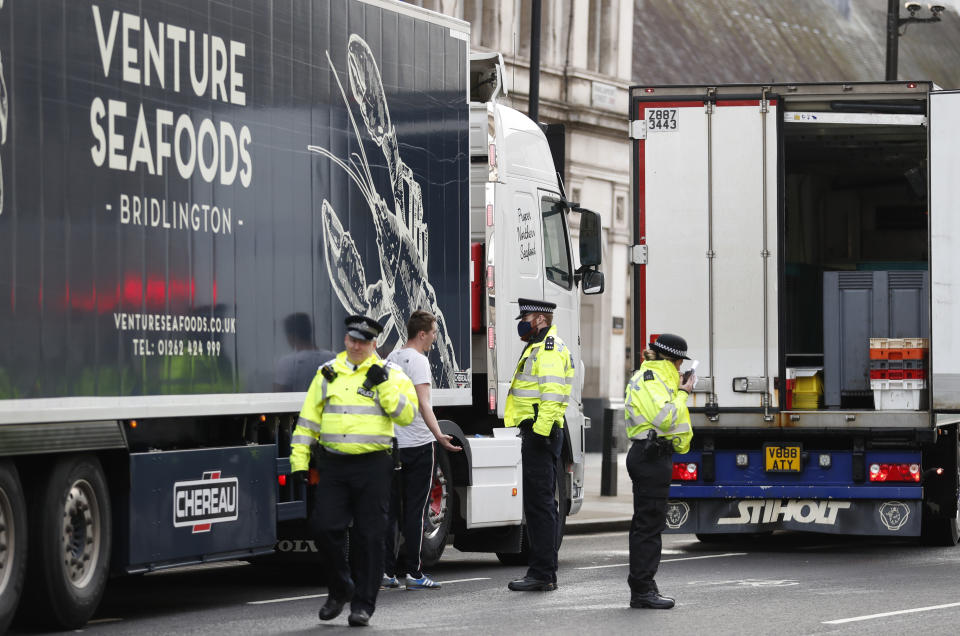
{"x": 411, "y": 484}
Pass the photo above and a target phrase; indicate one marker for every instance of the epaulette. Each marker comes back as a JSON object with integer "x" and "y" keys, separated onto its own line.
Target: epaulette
{"x": 548, "y": 343}
{"x": 648, "y": 375}
{"x": 392, "y": 365}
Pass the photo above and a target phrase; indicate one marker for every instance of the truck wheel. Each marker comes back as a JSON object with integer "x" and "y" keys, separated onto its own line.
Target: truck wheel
{"x": 70, "y": 522}
{"x": 439, "y": 514}
{"x": 13, "y": 542}
{"x": 940, "y": 531}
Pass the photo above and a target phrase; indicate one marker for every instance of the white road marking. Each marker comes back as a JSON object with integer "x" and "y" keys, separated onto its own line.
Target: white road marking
{"x": 309, "y": 596}
{"x": 705, "y": 556}
{"x": 284, "y": 600}
{"x": 854, "y": 619}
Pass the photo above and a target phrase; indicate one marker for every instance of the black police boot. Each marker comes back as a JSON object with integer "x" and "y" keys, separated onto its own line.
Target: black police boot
{"x": 651, "y": 600}
{"x": 359, "y": 618}
{"x": 527, "y": 584}
{"x": 331, "y": 609}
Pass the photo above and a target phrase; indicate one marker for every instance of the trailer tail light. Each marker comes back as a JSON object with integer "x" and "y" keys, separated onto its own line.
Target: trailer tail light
{"x": 684, "y": 471}
{"x": 491, "y": 338}
{"x": 490, "y": 278}
{"x": 492, "y": 155}
{"x": 492, "y": 400}
{"x": 282, "y": 480}
{"x": 895, "y": 472}
{"x": 489, "y": 215}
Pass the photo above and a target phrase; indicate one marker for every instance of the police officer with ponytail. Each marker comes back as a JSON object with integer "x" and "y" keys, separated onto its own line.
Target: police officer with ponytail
{"x": 537, "y": 400}
{"x": 347, "y": 422}
{"x": 658, "y": 423}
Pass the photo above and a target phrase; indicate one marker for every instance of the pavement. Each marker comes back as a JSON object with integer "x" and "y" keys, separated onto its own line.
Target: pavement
{"x": 601, "y": 513}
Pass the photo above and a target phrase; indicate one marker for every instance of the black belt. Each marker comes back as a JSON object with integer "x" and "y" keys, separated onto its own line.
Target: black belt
{"x": 328, "y": 454}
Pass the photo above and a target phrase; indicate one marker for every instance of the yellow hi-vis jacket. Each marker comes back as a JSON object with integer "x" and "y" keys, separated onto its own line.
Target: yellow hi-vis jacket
{"x": 544, "y": 378}
{"x": 346, "y": 418}
{"x": 654, "y": 400}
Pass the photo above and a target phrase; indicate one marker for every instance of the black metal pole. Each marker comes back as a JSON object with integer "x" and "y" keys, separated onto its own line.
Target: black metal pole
{"x": 893, "y": 35}
{"x": 535, "y": 60}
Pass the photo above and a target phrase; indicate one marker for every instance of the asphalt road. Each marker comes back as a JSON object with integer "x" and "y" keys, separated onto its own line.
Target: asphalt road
{"x": 783, "y": 584}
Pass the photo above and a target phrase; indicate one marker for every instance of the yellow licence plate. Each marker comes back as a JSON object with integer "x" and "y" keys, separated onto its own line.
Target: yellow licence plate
{"x": 781, "y": 458}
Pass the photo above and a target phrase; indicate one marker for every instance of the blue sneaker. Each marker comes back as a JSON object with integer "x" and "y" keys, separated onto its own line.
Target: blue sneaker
{"x": 423, "y": 583}
{"x": 389, "y": 581}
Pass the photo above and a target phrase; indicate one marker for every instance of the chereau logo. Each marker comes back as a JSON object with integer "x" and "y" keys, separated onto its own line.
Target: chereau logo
{"x": 206, "y": 501}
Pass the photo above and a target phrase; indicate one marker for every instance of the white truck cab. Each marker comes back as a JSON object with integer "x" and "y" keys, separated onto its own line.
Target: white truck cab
{"x": 521, "y": 216}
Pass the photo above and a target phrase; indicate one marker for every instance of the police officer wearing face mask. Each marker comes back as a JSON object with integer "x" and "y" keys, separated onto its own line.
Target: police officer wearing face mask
{"x": 536, "y": 403}
{"x": 658, "y": 422}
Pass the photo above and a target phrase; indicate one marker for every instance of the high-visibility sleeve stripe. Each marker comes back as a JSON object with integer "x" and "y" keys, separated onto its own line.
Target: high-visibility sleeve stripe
{"x": 667, "y": 410}
{"x": 308, "y": 424}
{"x": 525, "y": 393}
{"x": 353, "y": 409}
{"x": 402, "y": 405}
{"x": 345, "y": 438}
{"x": 555, "y": 397}
{"x": 302, "y": 439}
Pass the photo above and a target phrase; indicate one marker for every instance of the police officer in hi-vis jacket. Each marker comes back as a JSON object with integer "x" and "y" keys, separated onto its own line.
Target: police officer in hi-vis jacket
{"x": 348, "y": 418}
{"x": 658, "y": 422}
{"x": 536, "y": 403}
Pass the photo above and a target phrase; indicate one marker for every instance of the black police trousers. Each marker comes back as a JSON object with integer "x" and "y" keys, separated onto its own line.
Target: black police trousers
{"x": 540, "y": 457}
{"x": 650, "y": 466}
{"x": 352, "y": 488}
{"x": 408, "y": 502}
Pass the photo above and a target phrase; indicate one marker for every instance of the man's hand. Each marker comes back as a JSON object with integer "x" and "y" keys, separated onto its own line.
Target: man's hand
{"x": 447, "y": 442}
{"x": 375, "y": 375}
{"x": 300, "y": 478}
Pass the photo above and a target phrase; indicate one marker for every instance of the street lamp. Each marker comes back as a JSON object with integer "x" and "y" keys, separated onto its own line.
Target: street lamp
{"x": 894, "y": 22}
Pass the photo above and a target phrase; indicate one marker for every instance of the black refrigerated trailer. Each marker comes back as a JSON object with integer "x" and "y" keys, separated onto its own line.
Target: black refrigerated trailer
{"x": 195, "y": 193}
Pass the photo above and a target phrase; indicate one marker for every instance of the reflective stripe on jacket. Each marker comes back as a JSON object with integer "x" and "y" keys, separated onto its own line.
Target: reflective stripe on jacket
{"x": 654, "y": 400}
{"x": 544, "y": 378}
{"x": 345, "y": 418}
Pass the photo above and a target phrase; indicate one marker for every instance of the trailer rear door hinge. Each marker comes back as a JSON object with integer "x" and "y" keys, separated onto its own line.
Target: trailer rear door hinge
{"x": 638, "y": 254}
{"x": 637, "y": 129}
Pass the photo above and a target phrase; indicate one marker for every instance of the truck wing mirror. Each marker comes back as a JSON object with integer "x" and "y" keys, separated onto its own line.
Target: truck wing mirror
{"x": 592, "y": 282}
{"x": 590, "y": 235}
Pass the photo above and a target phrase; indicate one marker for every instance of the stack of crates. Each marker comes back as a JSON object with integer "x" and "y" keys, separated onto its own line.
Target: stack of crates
{"x": 805, "y": 388}
{"x": 898, "y": 373}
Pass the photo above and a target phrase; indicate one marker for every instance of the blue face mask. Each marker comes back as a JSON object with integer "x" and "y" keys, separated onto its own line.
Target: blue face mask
{"x": 524, "y": 328}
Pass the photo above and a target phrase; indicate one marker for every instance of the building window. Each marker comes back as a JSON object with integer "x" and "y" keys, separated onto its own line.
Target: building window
{"x": 602, "y": 36}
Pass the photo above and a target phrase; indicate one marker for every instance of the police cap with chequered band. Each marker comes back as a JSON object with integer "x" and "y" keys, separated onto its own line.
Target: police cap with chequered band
{"x": 362, "y": 328}
{"x": 529, "y": 306}
{"x": 671, "y": 346}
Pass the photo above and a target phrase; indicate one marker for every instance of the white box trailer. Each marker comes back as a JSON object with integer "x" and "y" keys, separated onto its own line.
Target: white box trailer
{"x": 759, "y": 211}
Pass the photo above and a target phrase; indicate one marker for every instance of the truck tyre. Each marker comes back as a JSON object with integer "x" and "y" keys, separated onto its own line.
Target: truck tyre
{"x": 70, "y": 523}
{"x": 13, "y": 542}
{"x": 938, "y": 531}
{"x": 563, "y": 509}
{"x": 439, "y": 513}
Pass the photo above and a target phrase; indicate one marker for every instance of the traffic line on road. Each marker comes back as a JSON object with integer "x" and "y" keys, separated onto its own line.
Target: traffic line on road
{"x": 310, "y": 596}
{"x": 929, "y": 608}
{"x": 705, "y": 556}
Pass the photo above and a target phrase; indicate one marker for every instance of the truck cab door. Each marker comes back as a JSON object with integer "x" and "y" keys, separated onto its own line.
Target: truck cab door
{"x": 705, "y": 183}
{"x": 945, "y": 250}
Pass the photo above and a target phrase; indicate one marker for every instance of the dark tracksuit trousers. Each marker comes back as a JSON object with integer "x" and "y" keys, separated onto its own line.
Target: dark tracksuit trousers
{"x": 540, "y": 456}
{"x": 352, "y": 488}
{"x": 411, "y": 490}
{"x": 650, "y": 466}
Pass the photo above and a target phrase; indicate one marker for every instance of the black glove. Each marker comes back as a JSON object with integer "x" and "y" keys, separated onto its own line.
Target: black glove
{"x": 375, "y": 375}
{"x": 300, "y": 478}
